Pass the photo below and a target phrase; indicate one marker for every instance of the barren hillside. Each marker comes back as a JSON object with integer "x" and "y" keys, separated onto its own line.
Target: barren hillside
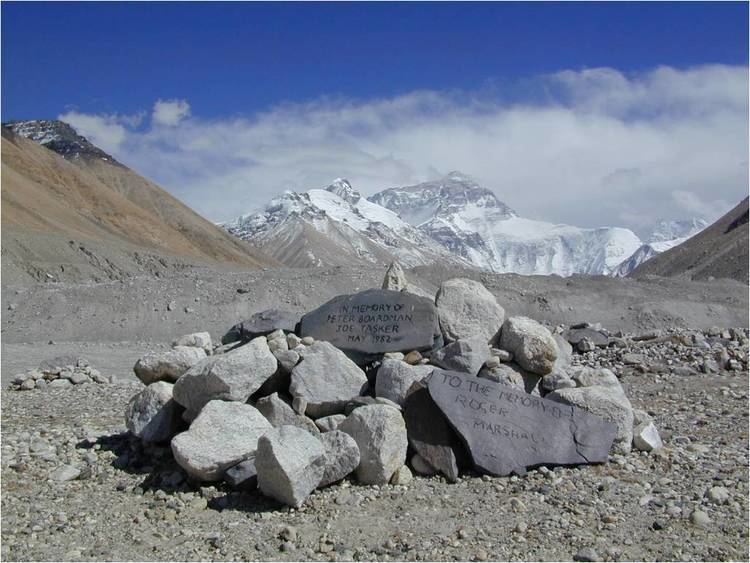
{"x": 720, "y": 251}
{"x": 96, "y": 219}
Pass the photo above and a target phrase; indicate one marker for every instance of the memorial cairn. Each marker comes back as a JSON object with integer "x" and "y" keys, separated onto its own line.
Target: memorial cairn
{"x": 374, "y": 383}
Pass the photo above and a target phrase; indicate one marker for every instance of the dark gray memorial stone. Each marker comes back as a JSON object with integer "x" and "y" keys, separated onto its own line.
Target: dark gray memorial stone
{"x": 375, "y": 321}
{"x": 507, "y": 431}
{"x": 261, "y": 324}
{"x": 430, "y": 434}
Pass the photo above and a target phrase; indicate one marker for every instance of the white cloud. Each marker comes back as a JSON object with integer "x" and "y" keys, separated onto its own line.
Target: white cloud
{"x": 604, "y": 148}
{"x": 170, "y": 112}
{"x": 106, "y": 131}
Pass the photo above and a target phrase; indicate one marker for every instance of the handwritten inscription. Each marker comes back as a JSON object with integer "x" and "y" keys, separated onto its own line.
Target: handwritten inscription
{"x": 358, "y": 323}
{"x": 490, "y": 392}
{"x": 375, "y": 321}
{"x": 506, "y": 430}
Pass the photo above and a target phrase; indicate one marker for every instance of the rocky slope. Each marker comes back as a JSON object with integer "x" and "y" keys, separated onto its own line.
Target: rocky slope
{"x": 335, "y": 226}
{"x": 719, "y": 251}
{"x": 72, "y": 212}
{"x": 666, "y": 235}
{"x": 470, "y": 221}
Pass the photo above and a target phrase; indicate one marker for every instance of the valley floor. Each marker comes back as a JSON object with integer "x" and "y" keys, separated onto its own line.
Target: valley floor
{"x": 133, "y": 504}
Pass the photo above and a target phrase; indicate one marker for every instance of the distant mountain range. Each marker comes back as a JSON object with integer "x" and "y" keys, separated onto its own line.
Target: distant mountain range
{"x": 76, "y": 192}
{"x": 451, "y": 220}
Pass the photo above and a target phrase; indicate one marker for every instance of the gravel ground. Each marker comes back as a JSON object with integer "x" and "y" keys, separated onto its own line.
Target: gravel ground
{"x": 688, "y": 501}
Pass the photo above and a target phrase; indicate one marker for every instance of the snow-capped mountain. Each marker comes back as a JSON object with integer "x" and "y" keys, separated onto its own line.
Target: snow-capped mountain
{"x": 336, "y": 225}
{"x": 59, "y": 137}
{"x": 665, "y": 235}
{"x": 471, "y": 222}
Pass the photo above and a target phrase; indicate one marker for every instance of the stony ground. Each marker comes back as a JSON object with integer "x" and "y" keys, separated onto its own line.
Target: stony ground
{"x": 131, "y": 504}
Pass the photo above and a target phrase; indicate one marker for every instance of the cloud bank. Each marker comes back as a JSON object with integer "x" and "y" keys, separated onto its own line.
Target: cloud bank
{"x": 591, "y": 148}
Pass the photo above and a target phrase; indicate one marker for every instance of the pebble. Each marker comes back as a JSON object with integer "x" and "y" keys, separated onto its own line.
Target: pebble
{"x": 700, "y": 519}
{"x": 65, "y": 473}
{"x": 586, "y": 554}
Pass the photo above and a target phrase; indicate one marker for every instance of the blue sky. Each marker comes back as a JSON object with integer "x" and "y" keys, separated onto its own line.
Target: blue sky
{"x": 243, "y": 100}
{"x": 244, "y": 57}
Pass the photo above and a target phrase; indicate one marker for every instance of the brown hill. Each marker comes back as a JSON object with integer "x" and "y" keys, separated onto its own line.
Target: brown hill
{"x": 719, "y": 251}
{"x": 91, "y": 218}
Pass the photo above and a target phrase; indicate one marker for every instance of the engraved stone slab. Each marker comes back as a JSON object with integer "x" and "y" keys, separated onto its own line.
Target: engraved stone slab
{"x": 507, "y": 431}
{"x": 374, "y": 321}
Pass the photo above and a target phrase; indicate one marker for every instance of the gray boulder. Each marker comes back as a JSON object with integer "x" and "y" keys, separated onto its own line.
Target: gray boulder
{"x": 195, "y": 340}
{"x": 342, "y": 456}
{"x": 279, "y": 413}
{"x": 232, "y": 376}
{"x": 329, "y": 423}
{"x": 380, "y": 433}
{"x": 261, "y": 324}
{"x": 466, "y": 355}
{"x": 558, "y": 379}
{"x": 326, "y": 379}
{"x": 588, "y": 377}
{"x": 152, "y": 414}
{"x": 467, "y": 309}
{"x": 513, "y": 375}
{"x": 169, "y": 365}
{"x": 564, "y": 352}
{"x": 532, "y": 345}
{"x": 609, "y": 403}
{"x": 395, "y": 378}
{"x": 224, "y": 434}
{"x": 290, "y": 464}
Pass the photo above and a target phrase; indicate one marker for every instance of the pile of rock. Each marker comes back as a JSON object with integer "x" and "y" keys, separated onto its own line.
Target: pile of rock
{"x": 60, "y": 372}
{"x": 366, "y": 379}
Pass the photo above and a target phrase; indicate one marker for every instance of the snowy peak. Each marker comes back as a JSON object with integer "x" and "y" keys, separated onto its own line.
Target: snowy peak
{"x": 454, "y": 194}
{"x": 670, "y": 230}
{"x": 344, "y": 190}
{"x": 470, "y": 221}
{"x": 60, "y": 137}
{"x": 336, "y": 225}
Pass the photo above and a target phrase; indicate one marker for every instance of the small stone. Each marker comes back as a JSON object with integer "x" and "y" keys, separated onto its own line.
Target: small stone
{"x": 329, "y": 423}
{"x": 307, "y": 341}
{"x": 413, "y": 358}
{"x": 585, "y": 345}
{"x": 395, "y": 279}
{"x": 292, "y": 340}
{"x": 492, "y": 362}
{"x": 700, "y": 519}
{"x": 243, "y": 475}
{"x": 393, "y": 356}
{"x": 718, "y": 495}
{"x": 586, "y": 554}
{"x": 646, "y": 437}
{"x": 28, "y": 385}
{"x": 65, "y": 473}
{"x": 288, "y": 533}
{"x": 402, "y": 476}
